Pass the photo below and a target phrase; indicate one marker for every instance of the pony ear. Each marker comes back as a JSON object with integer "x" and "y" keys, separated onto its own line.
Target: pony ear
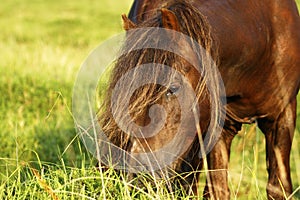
{"x": 127, "y": 23}
{"x": 169, "y": 20}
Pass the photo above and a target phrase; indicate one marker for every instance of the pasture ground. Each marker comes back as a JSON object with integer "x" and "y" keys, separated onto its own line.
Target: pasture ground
{"x": 42, "y": 44}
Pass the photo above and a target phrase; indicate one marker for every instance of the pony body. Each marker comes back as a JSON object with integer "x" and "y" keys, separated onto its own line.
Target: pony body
{"x": 256, "y": 46}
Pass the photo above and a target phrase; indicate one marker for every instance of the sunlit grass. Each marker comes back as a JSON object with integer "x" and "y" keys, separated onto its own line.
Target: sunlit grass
{"x": 42, "y": 45}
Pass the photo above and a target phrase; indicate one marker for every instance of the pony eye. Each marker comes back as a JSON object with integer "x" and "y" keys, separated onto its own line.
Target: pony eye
{"x": 173, "y": 89}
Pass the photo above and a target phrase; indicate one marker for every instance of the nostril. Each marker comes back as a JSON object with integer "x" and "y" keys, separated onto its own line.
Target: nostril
{"x": 177, "y": 118}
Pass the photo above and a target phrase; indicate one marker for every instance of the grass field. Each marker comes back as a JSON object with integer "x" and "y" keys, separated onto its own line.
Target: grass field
{"x": 42, "y": 45}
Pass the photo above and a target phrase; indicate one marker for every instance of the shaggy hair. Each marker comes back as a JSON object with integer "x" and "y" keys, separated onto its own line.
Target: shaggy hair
{"x": 193, "y": 24}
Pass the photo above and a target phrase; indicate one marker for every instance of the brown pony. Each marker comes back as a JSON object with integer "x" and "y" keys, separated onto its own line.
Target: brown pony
{"x": 255, "y": 46}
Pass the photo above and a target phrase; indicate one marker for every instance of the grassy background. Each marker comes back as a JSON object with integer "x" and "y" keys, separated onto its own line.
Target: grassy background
{"x": 42, "y": 44}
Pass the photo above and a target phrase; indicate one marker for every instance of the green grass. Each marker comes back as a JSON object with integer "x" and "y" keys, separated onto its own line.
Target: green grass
{"x": 42, "y": 44}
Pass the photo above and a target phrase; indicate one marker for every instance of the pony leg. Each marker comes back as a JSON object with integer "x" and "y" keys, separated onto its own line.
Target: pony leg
{"x": 279, "y": 135}
{"x": 218, "y": 160}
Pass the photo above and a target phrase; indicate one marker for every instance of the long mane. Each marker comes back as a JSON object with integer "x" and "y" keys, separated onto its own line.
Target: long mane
{"x": 193, "y": 24}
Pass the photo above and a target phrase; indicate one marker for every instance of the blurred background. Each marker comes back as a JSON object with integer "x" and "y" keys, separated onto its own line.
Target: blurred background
{"x": 42, "y": 45}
